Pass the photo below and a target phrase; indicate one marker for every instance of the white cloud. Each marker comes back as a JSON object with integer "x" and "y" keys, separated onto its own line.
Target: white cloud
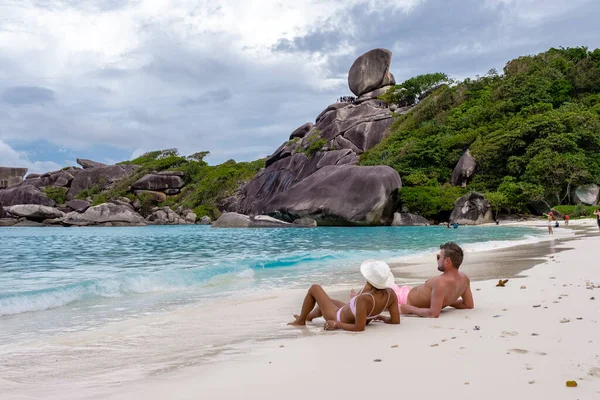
{"x": 11, "y": 158}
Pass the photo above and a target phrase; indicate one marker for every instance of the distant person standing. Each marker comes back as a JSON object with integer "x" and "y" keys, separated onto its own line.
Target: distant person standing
{"x": 597, "y": 214}
{"x": 551, "y": 221}
{"x": 566, "y": 218}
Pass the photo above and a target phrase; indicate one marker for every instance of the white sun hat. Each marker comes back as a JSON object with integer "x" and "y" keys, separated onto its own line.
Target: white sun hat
{"x": 377, "y": 273}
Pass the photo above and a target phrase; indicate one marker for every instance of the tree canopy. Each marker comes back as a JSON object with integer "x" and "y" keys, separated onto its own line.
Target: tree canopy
{"x": 534, "y": 131}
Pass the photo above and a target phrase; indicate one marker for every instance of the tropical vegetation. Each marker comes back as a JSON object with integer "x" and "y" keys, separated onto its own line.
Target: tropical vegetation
{"x": 534, "y": 131}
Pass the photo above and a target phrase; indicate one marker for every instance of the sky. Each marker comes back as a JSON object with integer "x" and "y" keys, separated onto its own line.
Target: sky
{"x": 111, "y": 79}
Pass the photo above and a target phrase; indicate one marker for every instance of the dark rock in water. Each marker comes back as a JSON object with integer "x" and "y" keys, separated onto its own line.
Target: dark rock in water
{"x": 35, "y": 212}
{"x": 301, "y": 131}
{"x": 28, "y": 223}
{"x": 100, "y": 177}
{"x": 371, "y": 71}
{"x": 26, "y": 194}
{"x": 308, "y": 222}
{"x": 205, "y": 220}
{"x": 232, "y": 220}
{"x": 78, "y": 205}
{"x": 8, "y": 221}
{"x": 158, "y": 182}
{"x": 408, "y": 219}
{"x": 103, "y": 214}
{"x": 472, "y": 209}
{"x": 341, "y": 195}
{"x": 464, "y": 170}
{"x": 87, "y": 164}
{"x": 587, "y": 194}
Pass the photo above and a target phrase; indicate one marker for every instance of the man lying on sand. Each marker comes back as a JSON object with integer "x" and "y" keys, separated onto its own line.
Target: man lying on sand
{"x": 442, "y": 291}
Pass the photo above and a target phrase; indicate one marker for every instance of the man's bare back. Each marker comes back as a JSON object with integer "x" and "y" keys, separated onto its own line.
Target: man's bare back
{"x": 454, "y": 288}
{"x": 451, "y": 289}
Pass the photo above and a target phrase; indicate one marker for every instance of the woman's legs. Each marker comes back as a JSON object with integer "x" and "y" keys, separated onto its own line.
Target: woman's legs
{"x": 316, "y": 313}
{"x": 327, "y": 306}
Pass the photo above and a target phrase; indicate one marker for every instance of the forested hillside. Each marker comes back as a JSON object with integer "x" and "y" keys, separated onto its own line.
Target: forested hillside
{"x": 533, "y": 130}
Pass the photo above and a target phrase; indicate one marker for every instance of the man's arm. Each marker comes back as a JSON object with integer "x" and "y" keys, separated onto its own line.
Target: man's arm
{"x": 466, "y": 300}
{"x": 435, "y": 306}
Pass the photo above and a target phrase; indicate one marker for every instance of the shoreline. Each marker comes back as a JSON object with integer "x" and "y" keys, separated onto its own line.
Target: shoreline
{"x": 271, "y": 309}
{"x": 519, "y": 349}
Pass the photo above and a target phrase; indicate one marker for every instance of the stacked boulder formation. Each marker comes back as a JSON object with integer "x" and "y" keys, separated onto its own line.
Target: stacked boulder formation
{"x": 314, "y": 174}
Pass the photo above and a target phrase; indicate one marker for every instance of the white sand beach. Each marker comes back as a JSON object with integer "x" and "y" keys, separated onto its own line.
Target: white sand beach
{"x": 524, "y": 340}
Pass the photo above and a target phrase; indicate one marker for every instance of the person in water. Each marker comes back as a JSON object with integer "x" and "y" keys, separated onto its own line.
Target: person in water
{"x": 451, "y": 289}
{"x": 374, "y": 298}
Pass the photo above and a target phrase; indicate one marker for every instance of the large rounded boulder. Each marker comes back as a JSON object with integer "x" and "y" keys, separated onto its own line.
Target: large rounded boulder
{"x": 341, "y": 195}
{"x": 464, "y": 170}
{"x": 98, "y": 178}
{"x": 472, "y": 209}
{"x": 371, "y": 71}
{"x": 158, "y": 182}
{"x": 587, "y": 194}
{"x": 35, "y": 212}
{"x": 105, "y": 214}
{"x": 24, "y": 195}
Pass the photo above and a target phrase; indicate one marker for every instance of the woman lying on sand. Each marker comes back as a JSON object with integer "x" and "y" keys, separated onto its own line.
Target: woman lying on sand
{"x": 374, "y": 298}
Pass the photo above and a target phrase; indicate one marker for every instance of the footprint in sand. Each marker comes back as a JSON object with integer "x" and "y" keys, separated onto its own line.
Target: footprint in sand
{"x": 509, "y": 333}
{"x": 595, "y": 372}
{"x": 518, "y": 351}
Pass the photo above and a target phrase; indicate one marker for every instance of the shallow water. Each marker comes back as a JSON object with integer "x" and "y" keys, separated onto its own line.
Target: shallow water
{"x": 57, "y": 279}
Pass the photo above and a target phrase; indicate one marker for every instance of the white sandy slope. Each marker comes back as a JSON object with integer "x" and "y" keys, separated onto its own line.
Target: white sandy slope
{"x": 519, "y": 352}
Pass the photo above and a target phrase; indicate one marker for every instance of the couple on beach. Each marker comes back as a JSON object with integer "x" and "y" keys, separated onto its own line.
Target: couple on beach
{"x": 451, "y": 289}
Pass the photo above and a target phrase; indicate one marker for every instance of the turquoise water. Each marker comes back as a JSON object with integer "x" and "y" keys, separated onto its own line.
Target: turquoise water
{"x": 54, "y": 279}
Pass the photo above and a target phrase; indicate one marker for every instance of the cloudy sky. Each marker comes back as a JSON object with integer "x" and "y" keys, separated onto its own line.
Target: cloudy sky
{"x": 111, "y": 79}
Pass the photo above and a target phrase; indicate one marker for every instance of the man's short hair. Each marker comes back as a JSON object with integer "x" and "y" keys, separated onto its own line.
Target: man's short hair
{"x": 453, "y": 252}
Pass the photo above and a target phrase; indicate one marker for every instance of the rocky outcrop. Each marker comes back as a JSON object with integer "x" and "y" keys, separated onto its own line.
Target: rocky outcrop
{"x": 205, "y": 220}
{"x": 35, "y": 212}
{"x": 340, "y": 195}
{"x": 341, "y": 133}
{"x": 24, "y": 195}
{"x": 472, "y": 209}
{"x": 11, "y": 176}
{"x": 99, "y": 177}
{"x": 8, "y": 221}
{"x": 60, "y": 178}
{"x": 78, "y": 205}
{"x": 587, "y": 194}
{"x": 155, "y": 182}
{"x": 371, "y": 71}
{"x": 232, "y": 220}
{"x": 464, "y": 170}
{"x": 301, "y": 131}
{"x": 166, "y": 216}
{"x": 87, "y": 164}
{"x": 408, "y": 219}
{"x": 107, "y": 214}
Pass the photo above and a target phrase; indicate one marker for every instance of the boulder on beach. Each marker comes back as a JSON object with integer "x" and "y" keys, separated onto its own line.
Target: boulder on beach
{"x": 472, "y": 209}
{"x": 35, "y": 212}
{"x": 102, "y": 214}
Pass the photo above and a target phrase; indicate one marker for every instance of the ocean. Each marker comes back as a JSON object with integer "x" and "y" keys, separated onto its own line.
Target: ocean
{"x": 106, "y": 305}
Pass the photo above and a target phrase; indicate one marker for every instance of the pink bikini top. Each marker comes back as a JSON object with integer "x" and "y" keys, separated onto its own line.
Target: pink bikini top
{"x": 352, "y": 305}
